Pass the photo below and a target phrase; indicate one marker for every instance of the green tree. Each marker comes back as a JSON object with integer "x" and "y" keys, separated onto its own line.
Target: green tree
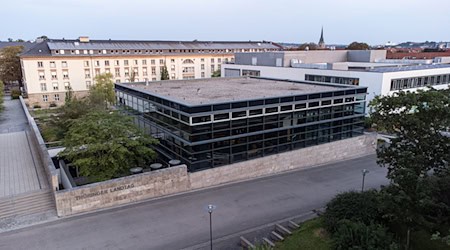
{"x": 417, "y": 120}
{"x": 104, "y": 145}
{"x": 10, "y": 68}
{"x": 343, "y": 207}
{"x": 216, "y": 73}
{"x": 102, "y": 93}
{"x": 358, "y": 46}
{"x": 308, "y": 46}
{"x": 164, "y": 73}
{"x": 2, "y": 89}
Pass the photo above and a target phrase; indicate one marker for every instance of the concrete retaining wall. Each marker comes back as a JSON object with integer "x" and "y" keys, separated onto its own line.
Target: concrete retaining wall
{"x": 36, "y": 138}
{"x": 176, "y": 179}
{"x": 122, "y": 190}
{"x": 297, "y": 159}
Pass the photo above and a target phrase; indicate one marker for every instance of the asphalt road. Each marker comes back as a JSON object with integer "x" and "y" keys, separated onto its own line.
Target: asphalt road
{"x": 182, "y": 221}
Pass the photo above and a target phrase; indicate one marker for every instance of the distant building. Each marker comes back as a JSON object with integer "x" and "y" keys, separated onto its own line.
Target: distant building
{"x": 52, "y": 67}
{"x": 207, "y": 123}
{"x": 321, "y": 40}
{"x": 26, "y": 45}
{"x": 368, "y": 68}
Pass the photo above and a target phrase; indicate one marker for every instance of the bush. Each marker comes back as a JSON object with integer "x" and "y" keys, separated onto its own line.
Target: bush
{"x": 15, "y": 93}
{"x": 354, "y": 206}
{"x": 53, "y": 105}
{"x": 357, "y": 235}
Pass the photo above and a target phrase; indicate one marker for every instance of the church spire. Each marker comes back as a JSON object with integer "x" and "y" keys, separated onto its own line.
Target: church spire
{"x": 321, "y": 41}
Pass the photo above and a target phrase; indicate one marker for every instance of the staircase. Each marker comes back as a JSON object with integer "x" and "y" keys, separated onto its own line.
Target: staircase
{"x": 27, "y": 204}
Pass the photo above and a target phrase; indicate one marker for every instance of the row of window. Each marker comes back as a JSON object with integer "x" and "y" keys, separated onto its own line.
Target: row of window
{"x": 55, "y": 86}
{"x": 64, "y": 64}
{"x": 55, "y": 98}
{"x": 127, "y": 51}
{"x": 97, "y": 63}
{"x": 54, "y": 75}
{"x": 332, "y": 79}
{"x": 417, "y": 82}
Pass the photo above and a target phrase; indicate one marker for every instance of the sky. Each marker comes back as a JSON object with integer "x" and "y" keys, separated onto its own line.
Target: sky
{"x": 297, "y": 21}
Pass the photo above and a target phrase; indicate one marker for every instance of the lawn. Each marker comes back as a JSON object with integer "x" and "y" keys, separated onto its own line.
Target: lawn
{"x": 310, "y": 236}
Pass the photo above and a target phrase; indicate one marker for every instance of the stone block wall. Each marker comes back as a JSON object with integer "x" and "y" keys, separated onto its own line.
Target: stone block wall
{"x": 122, "y": 190}
{"x": 297, "y": 159}
{"x": 176, "y": 179}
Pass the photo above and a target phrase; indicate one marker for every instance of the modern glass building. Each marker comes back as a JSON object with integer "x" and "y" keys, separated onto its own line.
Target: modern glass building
{"x": 212, "y": 122}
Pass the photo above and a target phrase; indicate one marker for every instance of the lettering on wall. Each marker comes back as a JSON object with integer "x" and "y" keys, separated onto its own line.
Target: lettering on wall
{"x": 103, "y": 192}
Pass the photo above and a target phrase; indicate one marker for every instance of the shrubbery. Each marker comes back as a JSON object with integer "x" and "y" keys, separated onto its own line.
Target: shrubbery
{"x": 15, "y": 93}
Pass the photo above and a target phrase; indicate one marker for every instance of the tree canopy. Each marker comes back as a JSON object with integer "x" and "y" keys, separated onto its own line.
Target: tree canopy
{"x": 216, "y": 73}
{"x": 102, "y": 92}
{"x": 104, "y": 145}
{"x": 358, "y": 46}
{"x": 308, "y": 46}
{"x": 10, "y": 68}
{"x": 164, "y": 73}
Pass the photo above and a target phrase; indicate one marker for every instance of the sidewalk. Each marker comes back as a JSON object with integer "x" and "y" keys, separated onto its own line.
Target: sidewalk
{"x": 12, "y": 119}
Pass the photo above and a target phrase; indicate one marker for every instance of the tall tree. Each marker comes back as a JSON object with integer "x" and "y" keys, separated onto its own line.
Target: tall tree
{"x": 216, "y": 73}
{"x": 102, "y": 92}
{"x": 164, "y": 73}
{"x": 104, "y": 145}
{"x": 358, "y": 46}
{"x": 10, "y": 68}
{"x": 420, "y": 148}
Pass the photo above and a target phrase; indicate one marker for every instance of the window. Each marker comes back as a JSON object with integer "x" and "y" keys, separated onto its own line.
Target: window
{"x": 161, "y": 61}
{"x": 97, "y": 72}
{"x": 52, "y": 65}
{"x": 219, "y": 60}
{"x": 88, "y": 84}
{"x": 127, "y": 72}
{"x": 56, "y": 97}
{"x": 255, "y": 112}
{"x": 54, "y": 76}
{"x": 106, "y": 63}
{"x": 202, "y": 67}
{"x": 144, "y": 71}
{"x": 201, "y": 119}
{"x": 43, "y": 86}
{"x": 135, "y": 72}
{"x": 55, "y": 86}
{"x": 64, "y": 64}
{"x": 300, "y": 106}
{"x": 65, "y": 74}
{"x": 271, "y": 110}
{"x": 125, "y": 62}
{"x": 97, "y": 63}
{"x": 41, "y": 75}
{"x": 172, "y": 67}
{"x": 203, "y": 74}
{"x": 87, "y": 73}
{"x": 246, "y": 72}
{"x": 144, "y": 62}
{"x": 67, "y": 85}
{"x": 202, "y": 60}
{"x": 172, "y": 76}
{"x": 40, "y": 64}
{"x": 117, "y": 72}
{"x": 172, "y": 60}
{"x": 45, "y": 98}
{"x": 153, "y": 70}
{"x": 212, "y": 60}
{"x": 223, "y": 116}
{"x": 136, "y": 62}
{"x": 212, "y": 68}
{"x": 86, "y": 63}
{"x": 107, "y": 71}
{"x": 152, "y": 61}
{"x": 116, "y": 63}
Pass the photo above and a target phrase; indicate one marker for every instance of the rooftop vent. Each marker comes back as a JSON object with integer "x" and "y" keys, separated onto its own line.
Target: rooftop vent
{"x": 84, "y": 39}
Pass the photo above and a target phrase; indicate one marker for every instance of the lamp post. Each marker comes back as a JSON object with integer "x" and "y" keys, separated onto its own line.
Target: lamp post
{"x": 364, "y": 172}
{"x": 210, "y": 208}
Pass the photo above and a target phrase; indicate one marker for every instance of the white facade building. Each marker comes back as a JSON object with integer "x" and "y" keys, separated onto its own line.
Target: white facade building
{"x": 51, "y": 67}
{"x": 381, "y": 76}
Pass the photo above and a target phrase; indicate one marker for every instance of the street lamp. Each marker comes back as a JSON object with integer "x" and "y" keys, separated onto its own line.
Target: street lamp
{"x": 364, "y": 172}
{"x": 210, "y": 208}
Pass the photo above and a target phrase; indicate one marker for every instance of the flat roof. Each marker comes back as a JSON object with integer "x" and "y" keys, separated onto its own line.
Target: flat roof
{"x": 410, "y": 68}
{"x": 220, "y": 90}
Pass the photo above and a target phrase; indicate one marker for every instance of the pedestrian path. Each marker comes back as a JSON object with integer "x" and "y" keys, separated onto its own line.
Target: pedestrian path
{"x": 21, "y": 170}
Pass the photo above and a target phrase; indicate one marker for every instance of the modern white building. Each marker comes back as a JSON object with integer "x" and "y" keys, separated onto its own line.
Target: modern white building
{"x": 368, "y": 68}
{"x": 52, "y": 67}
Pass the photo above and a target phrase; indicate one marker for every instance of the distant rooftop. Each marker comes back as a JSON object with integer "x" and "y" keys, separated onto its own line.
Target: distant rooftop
{"x": 26, "y": 45}
{"x": 409, "y": 68}
{"x": 129, "y": 47}
{"x": 219, "y": 90}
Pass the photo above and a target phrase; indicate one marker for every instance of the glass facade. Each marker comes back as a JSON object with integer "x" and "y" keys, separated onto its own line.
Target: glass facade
{"x": 332, "y": 79}
{"x": 206, "y": 136}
